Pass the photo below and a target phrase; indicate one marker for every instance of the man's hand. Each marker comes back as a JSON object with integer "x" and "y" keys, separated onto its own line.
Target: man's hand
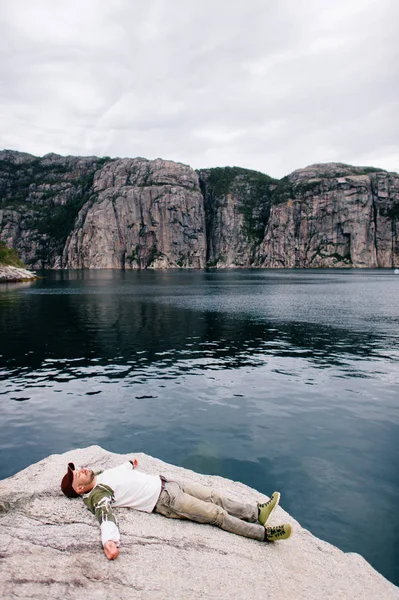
{"x": 135, "y": 462}
{"x": 110, "y": 550}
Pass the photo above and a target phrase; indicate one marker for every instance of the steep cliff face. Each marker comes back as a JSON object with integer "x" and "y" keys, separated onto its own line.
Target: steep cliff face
{"x": 333, "y": 216}
{"x": 74, "y": 212}
{"x": 237, "y": 206}
{"x": 143, "y": 214}
{"x": 39, "y": 201}
{"x": 71, "y": 212}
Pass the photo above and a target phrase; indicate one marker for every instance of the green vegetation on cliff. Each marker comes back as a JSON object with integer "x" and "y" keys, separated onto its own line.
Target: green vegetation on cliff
{"x": 9, "y": 256}
{"x": 251, "y": 190}
{"x": 53, "y": 192}
{"x": 233, "y": 222}
{"x": 57, "y": 221}
{"x": 222, "y": 180}
{"x": 47, "y": 194}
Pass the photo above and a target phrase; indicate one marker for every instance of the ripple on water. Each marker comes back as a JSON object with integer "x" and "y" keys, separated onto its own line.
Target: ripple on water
{"x": 284, "y": 379}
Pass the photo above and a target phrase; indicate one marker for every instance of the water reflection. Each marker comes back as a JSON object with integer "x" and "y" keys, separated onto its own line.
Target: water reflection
{"x": 128, "y": 331}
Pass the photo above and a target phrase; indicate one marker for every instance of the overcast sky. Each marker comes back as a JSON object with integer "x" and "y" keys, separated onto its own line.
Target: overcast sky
{"x": 272, "y": 85}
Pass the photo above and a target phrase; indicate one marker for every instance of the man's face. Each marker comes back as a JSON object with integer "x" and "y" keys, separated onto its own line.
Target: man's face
{"x": 82, "y": 478}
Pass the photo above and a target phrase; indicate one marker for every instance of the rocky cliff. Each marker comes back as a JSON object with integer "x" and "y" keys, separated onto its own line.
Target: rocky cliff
{"x": 50, "y": 547}
{"x": 74, "y": 212}
{"x": 40, "y": 199}
{"x": 237, "y": 208}
{"x": 333, "y": 215}
{"x": 141, "y": 214}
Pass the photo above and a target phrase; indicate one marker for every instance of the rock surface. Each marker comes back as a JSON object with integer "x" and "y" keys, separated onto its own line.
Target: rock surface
{"x": 11, "y": 274}
{"x": 237, "y": 207}
{"x": 39, "y": 201}
{"x": 145, "y": 214}
{"x": 88, "y": 212}
{"x": 50, "y": 548}
{"x": 333, "y": 216}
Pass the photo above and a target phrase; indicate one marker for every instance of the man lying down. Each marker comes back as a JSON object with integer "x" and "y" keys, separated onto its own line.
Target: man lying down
{"x": 126, "y": 486}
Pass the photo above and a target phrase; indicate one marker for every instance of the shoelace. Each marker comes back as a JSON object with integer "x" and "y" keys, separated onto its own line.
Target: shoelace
{"x": 275, "y": 530}
{"x": 265, "y": 504}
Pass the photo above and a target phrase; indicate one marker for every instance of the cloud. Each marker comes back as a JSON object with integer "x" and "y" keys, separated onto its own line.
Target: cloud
{"x": 259, "y": 84}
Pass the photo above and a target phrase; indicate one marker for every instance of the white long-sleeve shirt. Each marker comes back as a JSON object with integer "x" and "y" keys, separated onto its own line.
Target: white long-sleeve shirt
{"x": 121, "y": 486}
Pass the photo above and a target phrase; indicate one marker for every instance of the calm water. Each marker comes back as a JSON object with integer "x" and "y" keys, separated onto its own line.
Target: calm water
{"x": 283, "y": 380}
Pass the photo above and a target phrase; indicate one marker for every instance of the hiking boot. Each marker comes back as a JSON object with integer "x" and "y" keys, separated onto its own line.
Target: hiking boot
{"x": 265, "y": 510}
{"x": 280, "y": 532}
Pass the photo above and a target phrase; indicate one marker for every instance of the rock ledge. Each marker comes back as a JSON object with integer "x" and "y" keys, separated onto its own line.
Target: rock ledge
{"x": 11, "y": 274}
{"x": 50, "y": 548}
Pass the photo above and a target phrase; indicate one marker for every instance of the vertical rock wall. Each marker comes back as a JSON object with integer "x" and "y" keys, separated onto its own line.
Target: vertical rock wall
{"x": 39, "y": 202}
{"x": 237, "y": 206}
{"x": 333, "y": 216}
{"x": 76, "y": 212}
{"x": 144, "y": 214}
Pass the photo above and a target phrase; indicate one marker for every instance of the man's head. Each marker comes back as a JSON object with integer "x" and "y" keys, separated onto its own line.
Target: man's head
{"x": 74, "y": 483}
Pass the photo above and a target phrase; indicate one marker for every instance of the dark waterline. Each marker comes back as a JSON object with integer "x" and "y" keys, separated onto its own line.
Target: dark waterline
{"x": 283, "y": 380}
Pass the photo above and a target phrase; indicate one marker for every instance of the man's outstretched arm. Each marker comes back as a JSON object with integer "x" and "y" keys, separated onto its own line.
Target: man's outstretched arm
{"x": 99, "y": 502}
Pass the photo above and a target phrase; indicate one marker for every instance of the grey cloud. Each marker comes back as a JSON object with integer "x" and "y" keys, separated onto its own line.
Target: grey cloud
{"x": 264, "y": 85}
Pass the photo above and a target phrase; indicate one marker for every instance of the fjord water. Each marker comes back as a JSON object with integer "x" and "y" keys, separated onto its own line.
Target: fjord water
{"x": 284, "y": 380}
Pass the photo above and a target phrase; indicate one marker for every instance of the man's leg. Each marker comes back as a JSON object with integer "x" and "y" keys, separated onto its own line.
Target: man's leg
{"x": 245, "y": 512}
{"x": 177, "y": 504}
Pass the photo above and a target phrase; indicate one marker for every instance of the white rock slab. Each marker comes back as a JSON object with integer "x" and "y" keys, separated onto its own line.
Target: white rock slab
{"x": 50, "y": 548}
{"x": 9, "y": 274}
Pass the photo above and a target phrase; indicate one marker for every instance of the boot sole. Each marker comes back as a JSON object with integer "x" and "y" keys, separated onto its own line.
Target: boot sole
{"x": 275, "y": 506}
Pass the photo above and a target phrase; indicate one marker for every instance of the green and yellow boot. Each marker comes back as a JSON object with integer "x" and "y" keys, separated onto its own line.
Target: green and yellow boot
{"x": 265, "y": 510}
{"x": 280, "y": 532}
